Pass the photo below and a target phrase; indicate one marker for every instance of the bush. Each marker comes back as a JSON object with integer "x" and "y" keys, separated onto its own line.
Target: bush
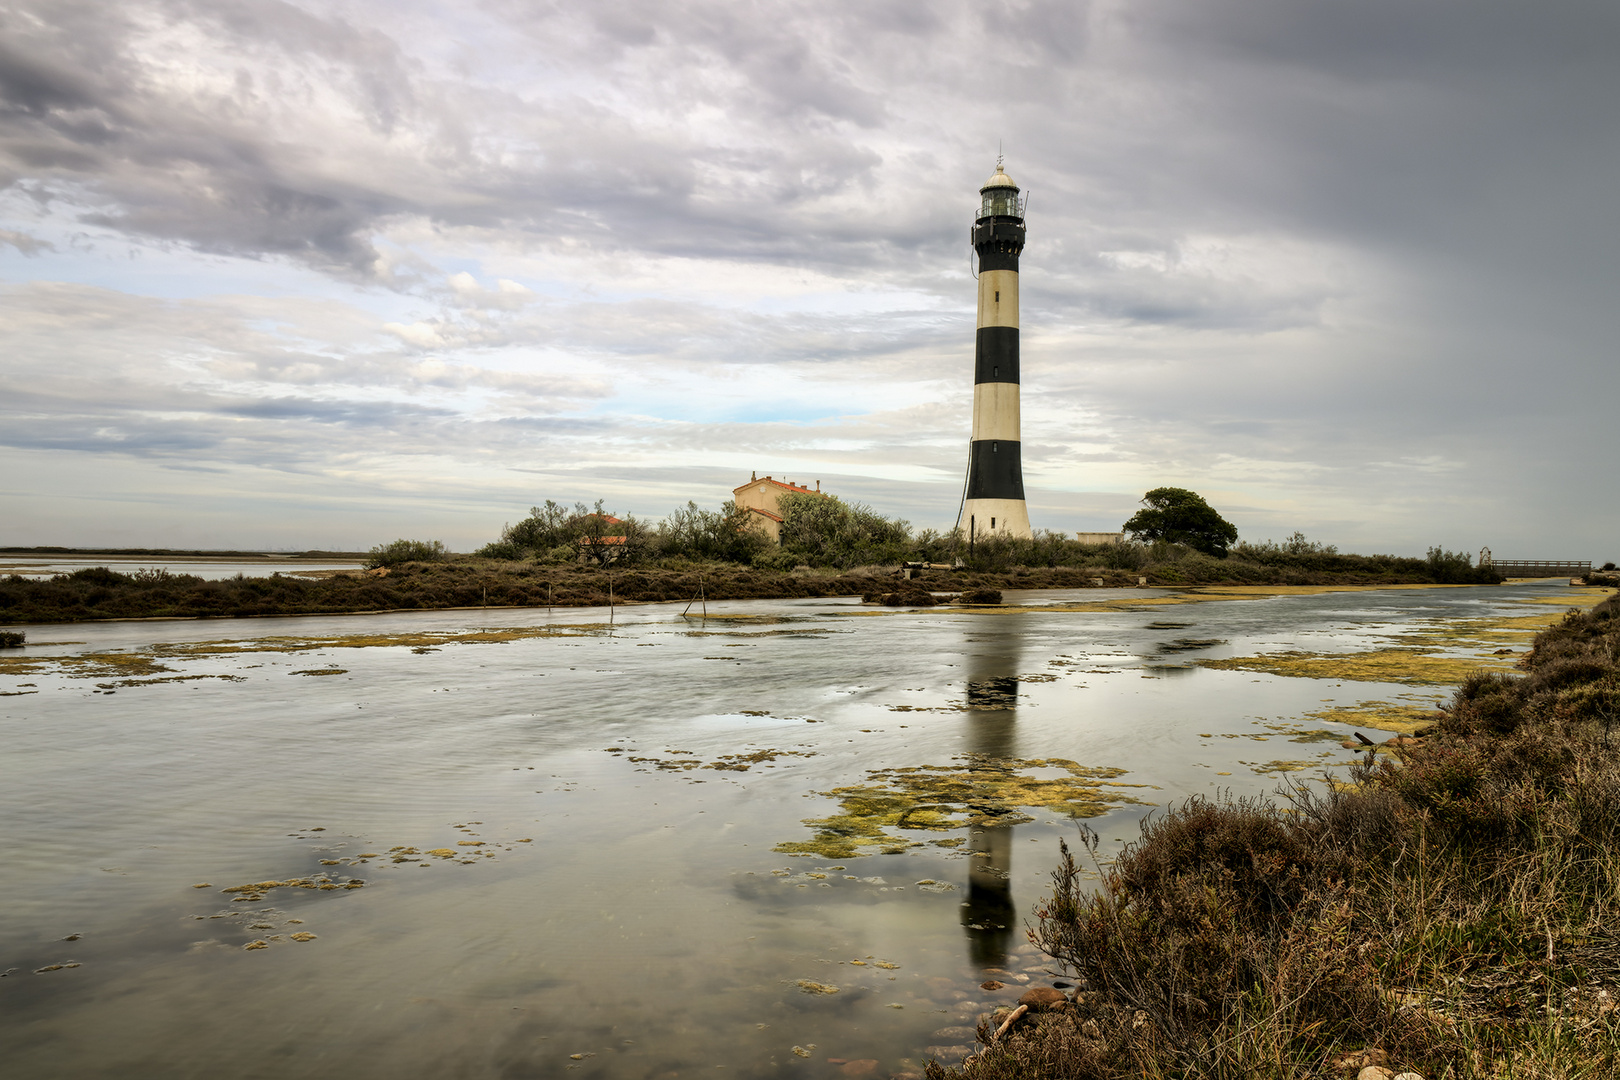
{"x": 406, "y": 551}
{"x": 12, "y": 639}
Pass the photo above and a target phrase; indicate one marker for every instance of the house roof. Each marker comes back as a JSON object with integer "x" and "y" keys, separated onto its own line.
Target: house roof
{"x": 801, "y": 489}
{"x": 765, "y": 513}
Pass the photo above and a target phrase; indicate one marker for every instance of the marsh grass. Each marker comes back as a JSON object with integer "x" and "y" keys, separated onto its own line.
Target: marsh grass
{"x": 1455, "y": 911}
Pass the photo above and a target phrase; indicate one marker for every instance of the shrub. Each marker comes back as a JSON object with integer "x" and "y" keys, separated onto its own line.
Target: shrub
{"x": 12, "y": 639}
{"x": 405, "y": 551}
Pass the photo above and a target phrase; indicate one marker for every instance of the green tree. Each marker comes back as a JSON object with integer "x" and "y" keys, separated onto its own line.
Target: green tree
{"x": 696, "y": 533}
{"x": 825, "y": 531}
{"x": 1180, "y": 516}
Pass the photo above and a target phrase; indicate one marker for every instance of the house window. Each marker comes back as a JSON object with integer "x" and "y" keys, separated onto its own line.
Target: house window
{"x": 992, "y": 523}
{"x": 994, "y": 372}
{"x": 998, "y": 296}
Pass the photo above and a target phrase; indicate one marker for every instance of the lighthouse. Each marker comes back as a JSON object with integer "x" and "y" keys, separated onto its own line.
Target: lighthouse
{"x": 994, "y": 503}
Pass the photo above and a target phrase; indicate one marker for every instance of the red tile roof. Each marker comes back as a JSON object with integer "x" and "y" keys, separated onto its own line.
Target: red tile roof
{"x": 802, "y": 489}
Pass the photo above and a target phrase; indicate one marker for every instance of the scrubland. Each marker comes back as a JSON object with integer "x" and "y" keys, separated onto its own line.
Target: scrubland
{"x": 1453, "y": 910}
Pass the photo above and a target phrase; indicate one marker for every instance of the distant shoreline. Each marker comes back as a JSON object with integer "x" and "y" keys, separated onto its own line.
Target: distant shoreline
{"x": 101, "y": 594}
{"x": 123, "y": 554}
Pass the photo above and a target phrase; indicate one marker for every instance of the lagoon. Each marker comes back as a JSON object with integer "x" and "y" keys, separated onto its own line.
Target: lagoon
{"x": 611, "y": 811}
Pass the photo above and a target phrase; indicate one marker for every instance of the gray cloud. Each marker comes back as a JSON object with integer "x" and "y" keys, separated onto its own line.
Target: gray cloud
{"x": 1350, "y": 265}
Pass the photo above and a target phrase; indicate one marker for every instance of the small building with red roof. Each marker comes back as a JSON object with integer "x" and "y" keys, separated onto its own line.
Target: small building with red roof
{"x": 760, "y": 499}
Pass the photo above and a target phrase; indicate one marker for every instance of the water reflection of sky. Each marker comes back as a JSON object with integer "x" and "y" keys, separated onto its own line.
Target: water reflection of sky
{"x": 647, "y": 921}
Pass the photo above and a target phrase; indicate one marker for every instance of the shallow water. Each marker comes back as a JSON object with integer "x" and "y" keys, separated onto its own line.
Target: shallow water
{"x": 630, "y": 912}
{"x": 212, "y": 569}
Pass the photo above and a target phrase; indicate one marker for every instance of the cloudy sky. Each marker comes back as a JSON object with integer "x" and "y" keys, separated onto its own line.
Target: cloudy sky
{"x": 320, "y": 274}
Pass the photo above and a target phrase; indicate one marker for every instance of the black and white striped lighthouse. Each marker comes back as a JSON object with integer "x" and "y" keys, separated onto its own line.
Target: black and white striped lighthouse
{"x": 995, "y": 487}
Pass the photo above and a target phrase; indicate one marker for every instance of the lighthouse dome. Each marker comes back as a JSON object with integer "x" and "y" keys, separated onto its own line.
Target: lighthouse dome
{"x": 999, "y": 180}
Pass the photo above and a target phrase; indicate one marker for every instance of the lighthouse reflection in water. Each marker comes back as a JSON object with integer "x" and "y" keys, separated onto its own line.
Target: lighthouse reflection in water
{"x": 989, "y": 916}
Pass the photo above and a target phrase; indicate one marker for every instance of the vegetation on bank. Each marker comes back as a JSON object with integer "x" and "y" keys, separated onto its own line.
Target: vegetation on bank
{"x": 585, "y": 555}
{"x": 469, "y": 581}
{"x": 1178, "y": 539}
{"x": 1455, "y": 911}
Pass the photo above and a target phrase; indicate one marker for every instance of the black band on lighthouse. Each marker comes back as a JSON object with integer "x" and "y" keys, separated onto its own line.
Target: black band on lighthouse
{"x": 992, "y": 259}
{"x": 995, "y": 357}
{"x": 995, "y": 470}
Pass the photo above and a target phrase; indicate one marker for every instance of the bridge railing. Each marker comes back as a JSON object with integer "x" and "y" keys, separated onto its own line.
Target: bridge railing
{"x": 1542, "y": 567}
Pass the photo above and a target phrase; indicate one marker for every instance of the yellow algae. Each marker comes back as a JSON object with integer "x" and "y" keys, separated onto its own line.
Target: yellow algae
{"x": 1416, "y": 667}
{"x": 742, "y": 762}
{"x": 1481, "y": 635}
{"x": 940, "y": 798}
{"x": 816, "y": 631}
{"x": 85, "y": 666}
{"x": 150, "y": 661}
{"x": 322, "y": 671}
{"x": 256, "y": 945}
{"x": 812, "y": 987}
{"x": 203, "y": 885}
{"x": 303, "y": 935}
{"x": 726, "y": 762}
{"x": 1400, "y": 719}
{"x": 467, "y": 843}
{"x": 1585, "y": 596}
{"x": 1285, "y": 766}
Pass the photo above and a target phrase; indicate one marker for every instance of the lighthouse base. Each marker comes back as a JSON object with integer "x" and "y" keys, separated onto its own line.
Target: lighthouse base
{"x": 984, "y": 518}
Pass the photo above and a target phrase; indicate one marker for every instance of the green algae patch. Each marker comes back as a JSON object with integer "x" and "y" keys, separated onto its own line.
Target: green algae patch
{"x": 1414, "y": 667}
{"x": 976, "y": 791}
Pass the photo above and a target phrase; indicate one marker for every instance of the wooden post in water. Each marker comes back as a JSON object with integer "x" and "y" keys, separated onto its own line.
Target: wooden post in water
{"x": 699, "y": 596}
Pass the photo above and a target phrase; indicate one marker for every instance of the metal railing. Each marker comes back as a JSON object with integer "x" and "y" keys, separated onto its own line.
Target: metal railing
{"x": 1542, "y": 567}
